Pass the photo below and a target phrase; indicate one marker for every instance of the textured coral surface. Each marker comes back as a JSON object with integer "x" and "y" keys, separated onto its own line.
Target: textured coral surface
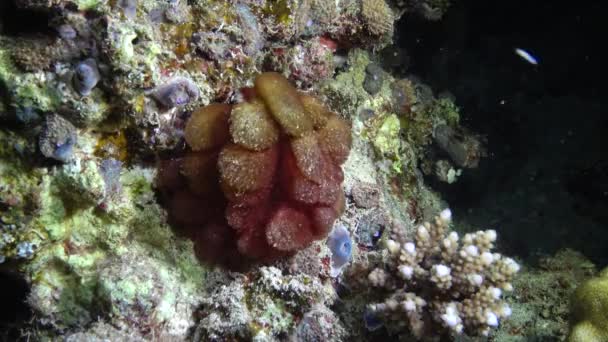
{"x": 590, "y": 310}
{"x": 441, "y": 283}
{"x": 261, "y": 177}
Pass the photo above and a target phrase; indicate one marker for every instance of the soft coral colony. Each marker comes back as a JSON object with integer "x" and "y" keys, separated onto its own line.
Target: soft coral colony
{"x": 262, "y": 178}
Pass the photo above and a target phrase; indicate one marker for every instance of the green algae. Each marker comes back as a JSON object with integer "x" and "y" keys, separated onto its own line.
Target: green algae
{"x": 446, "y": 110}
{"x": 39, "y": 92}
{"x": 387, "y": 141}
{"x": 76, "y": 242}
{"x": 85, "y": 5}
{"x": 19, "y": 188}
{"x": 280, "y": 9}
{"x": 27, "y": 90}
{"x": 540, "y": 314}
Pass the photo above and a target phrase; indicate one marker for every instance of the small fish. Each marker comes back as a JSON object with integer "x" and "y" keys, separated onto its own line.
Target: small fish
{"x": 526, "y": 55}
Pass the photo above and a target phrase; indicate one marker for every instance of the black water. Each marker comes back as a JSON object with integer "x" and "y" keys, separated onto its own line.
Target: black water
{"x": 544, "y": 185}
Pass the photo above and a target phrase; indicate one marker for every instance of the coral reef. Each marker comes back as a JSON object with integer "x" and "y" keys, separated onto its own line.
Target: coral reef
{"x": 266, "y": 306}
{"x": 271, "y": 168}
{"x": 249, "y": 169}
{"x": 306, "y": 64}
{"x": 394, "y": 128}
{"x": 85, "y": 263}
{"x": 86, "y": 76}
{"x": 590, "y": 310}
{"x": 438, "y": 284}
{"x": 539, "y": 313}
{"x": 377, "y": 16}
{"x": 100, "y": 331}
{"x": 374, "y": 77}
{"x": 176, "y": 92}
{"x": 464, "y": 149}
{"x": 79, "y": 258}
{"x": 58, "y": 138}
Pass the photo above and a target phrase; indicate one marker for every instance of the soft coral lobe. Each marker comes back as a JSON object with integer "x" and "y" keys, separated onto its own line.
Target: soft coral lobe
{"x": 262, "y": 178}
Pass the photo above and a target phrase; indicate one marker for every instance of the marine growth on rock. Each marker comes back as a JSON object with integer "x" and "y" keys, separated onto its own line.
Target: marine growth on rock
{"x": 176, "y": 92}
{"x": 86, "y": 76}
{"x": 341, "y": 248}
{"x": 57, "y": 138}
{"x": 262, "y": 178}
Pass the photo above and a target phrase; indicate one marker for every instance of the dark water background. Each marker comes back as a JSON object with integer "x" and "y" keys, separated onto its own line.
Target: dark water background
{"x": 544, "y": 185}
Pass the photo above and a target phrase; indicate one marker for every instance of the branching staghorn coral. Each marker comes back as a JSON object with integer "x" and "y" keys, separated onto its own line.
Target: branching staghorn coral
{"x": 439, "y": 284}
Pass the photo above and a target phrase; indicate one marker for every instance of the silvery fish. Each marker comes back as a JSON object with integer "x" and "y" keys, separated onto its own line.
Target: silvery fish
{"x": 526, "y": 55}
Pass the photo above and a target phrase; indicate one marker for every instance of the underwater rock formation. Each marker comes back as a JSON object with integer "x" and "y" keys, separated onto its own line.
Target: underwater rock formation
{"x": 176, "y": 92}
{"x": 464, "y": 149}
{"x": 58, "y": 138}
{"x": 267, "y": 305}
{"x": 86, "y": 76}
{"x": 263, "y": 174}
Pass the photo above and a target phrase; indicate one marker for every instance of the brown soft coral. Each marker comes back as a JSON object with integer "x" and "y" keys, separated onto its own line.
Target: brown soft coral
{"x": 262, "y": 178}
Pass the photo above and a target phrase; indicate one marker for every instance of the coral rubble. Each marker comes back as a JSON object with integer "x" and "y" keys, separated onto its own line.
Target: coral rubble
{"x": 265, "y": 306}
